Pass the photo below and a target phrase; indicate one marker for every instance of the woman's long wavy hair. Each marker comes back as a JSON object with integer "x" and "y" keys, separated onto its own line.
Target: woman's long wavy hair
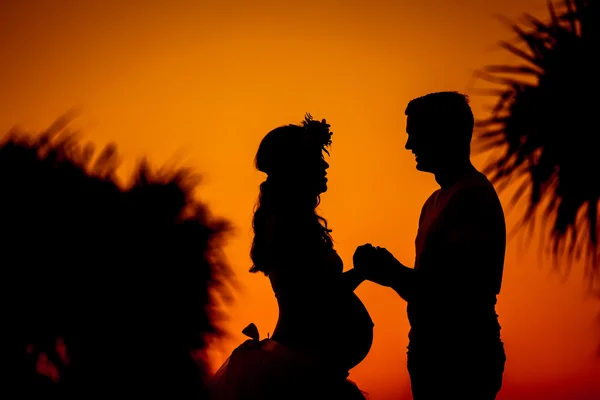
{"x": 283, "y": 155}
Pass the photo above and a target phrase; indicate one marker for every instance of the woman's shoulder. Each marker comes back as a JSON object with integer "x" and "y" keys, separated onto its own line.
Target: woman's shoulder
{"x": 334, "y": 260}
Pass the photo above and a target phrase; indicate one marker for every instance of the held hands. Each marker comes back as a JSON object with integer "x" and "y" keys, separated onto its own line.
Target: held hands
{"x": 376, "y": 264}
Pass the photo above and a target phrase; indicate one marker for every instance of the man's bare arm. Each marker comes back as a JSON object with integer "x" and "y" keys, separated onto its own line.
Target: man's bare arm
{"x": 388, "y": 271}
{"x": 402, "y": 280}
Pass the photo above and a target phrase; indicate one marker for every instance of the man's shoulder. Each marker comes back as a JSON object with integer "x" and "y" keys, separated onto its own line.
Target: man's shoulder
{"x": 431, "y": 200}
{"x": 476, "y": 196}
{"x": 429, "y": 204}
{"x": 433, "y": 195}
{"x": 476, "y": 185}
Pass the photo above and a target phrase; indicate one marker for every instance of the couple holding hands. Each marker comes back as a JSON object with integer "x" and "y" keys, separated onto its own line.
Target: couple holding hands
{"x": 323, "y": 329}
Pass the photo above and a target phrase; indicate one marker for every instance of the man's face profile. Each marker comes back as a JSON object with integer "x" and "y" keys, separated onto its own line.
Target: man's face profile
{"x": 422, "y": 141}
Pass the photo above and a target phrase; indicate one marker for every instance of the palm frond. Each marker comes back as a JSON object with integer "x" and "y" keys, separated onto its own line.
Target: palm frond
{"x": 544, "y": 125}
{"x": 512, "y": 69}
{"x": 130, "y": 279}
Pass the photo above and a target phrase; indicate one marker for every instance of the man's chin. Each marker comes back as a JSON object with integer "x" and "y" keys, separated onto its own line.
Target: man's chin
{"x": 423, "y": 167}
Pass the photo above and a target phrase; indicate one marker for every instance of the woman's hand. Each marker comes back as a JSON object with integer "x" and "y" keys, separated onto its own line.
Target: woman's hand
{"x": 377, "y": 265}
{"x": 364, "y": 256}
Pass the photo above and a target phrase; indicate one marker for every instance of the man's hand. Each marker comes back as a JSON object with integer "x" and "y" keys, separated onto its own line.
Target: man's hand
{"x": 377, "y": 265}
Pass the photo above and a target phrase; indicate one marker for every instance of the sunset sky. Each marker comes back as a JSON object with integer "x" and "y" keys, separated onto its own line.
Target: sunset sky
{"x": 205, "y": 80}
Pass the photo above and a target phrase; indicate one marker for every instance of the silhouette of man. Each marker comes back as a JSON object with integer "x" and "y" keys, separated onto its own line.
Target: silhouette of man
{"x": 455, "y": 350}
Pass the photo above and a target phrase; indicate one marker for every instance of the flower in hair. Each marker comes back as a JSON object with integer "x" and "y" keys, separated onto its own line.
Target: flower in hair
{"x": 318, "y": 131}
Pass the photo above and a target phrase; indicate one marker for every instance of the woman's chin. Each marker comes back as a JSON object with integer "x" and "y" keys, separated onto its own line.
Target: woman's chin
{"x": 323, "y": 188}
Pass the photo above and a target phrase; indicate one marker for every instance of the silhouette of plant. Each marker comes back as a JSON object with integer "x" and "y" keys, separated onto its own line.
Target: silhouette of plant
{"x": 112, "y": 288}
{"x": 545, "y": 123}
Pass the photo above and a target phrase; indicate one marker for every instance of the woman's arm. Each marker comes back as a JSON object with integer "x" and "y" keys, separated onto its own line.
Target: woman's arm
{"x": 351, "y": 279}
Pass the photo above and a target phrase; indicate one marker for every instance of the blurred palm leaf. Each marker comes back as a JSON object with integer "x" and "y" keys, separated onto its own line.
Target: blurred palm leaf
{"x": 545, "y": 124}
{"x": 115, "y": 287}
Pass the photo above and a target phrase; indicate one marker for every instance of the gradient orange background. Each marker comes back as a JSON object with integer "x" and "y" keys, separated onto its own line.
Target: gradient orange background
{"x": 207, "y": 79}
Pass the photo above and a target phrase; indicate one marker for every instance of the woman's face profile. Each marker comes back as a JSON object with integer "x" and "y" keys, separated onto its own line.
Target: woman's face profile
{"x": 316, "y": 171}
{"x": 307, "y": 170}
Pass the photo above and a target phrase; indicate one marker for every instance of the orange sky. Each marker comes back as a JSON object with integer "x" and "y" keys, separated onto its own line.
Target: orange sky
{"x": 207, "y": 79}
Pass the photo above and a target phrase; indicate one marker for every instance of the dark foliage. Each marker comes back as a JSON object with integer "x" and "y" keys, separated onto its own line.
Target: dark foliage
{"x": 545, "y": 124}
{"x": 110, "y": 290}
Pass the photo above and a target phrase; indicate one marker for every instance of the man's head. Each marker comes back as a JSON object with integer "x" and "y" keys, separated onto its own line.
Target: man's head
{"x": 439, "y": 127}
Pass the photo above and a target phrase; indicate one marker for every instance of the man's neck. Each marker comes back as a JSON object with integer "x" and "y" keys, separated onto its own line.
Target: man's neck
{"x": 452, "y": 173}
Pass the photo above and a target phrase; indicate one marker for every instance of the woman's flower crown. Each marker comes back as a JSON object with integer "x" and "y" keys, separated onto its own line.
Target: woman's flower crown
{"x": 318, "y": 131}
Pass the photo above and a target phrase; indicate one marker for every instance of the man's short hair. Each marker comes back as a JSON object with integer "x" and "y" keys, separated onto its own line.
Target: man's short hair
{"x": 448, "y": 111}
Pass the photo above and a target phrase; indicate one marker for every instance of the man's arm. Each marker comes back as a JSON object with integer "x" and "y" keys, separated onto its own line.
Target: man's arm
{"x": 403, "y": 280}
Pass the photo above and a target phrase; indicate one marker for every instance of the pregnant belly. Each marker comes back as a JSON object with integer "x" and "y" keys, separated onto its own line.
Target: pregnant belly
{"x": 337, "y": 331}
{"x": 353, "y": 330}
